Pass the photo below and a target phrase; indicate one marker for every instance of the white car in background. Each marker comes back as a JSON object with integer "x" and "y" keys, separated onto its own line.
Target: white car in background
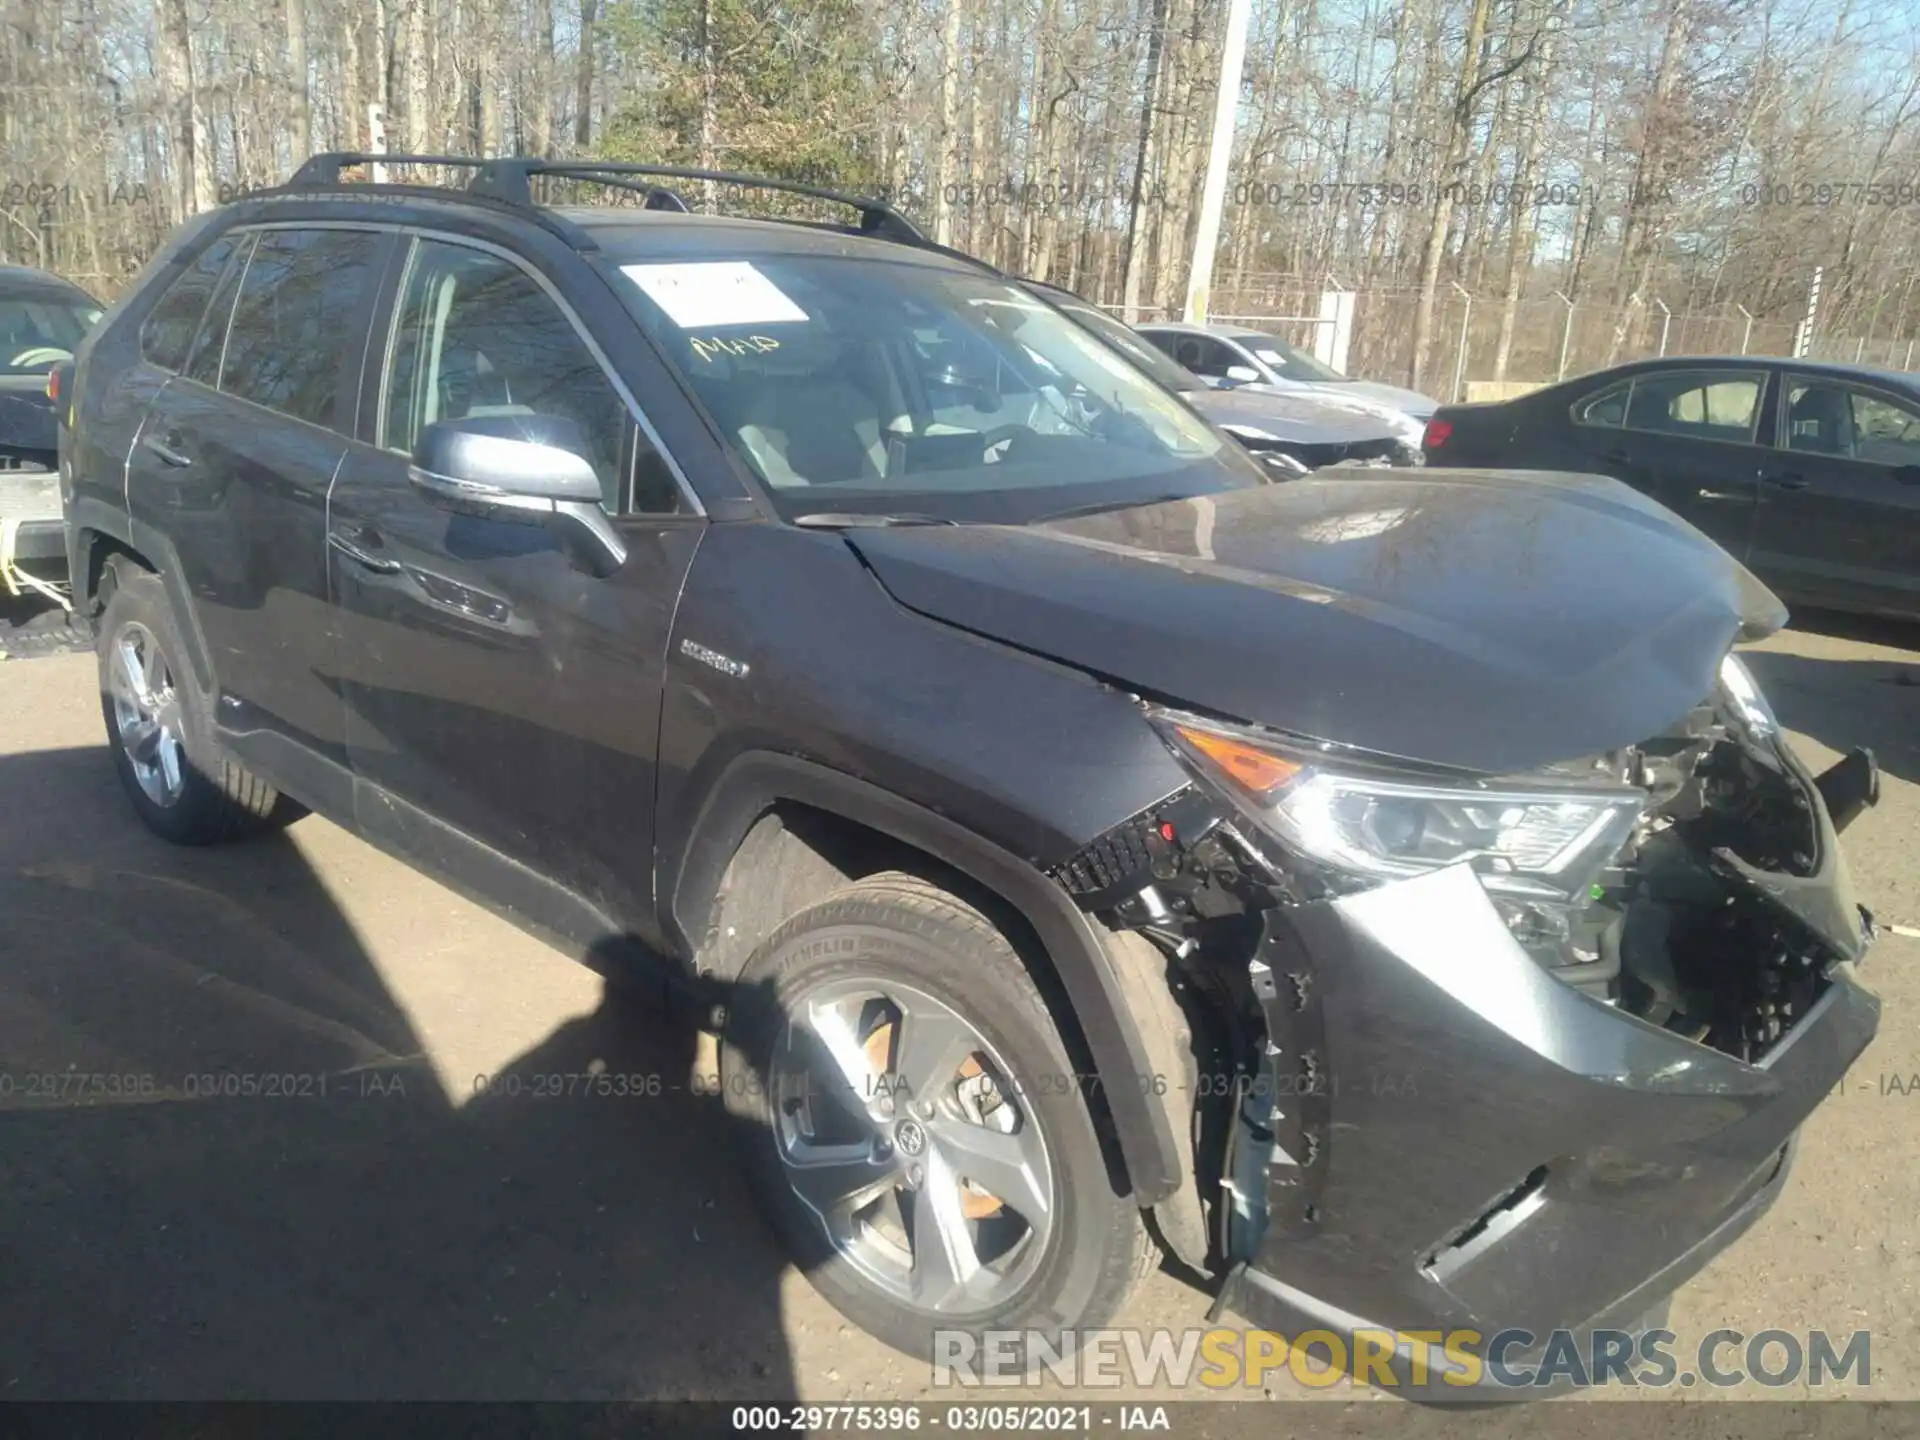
{"x": 1227, "y": 356}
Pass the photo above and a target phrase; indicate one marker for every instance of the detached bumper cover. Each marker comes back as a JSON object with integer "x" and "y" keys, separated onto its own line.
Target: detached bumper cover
{"x": 1492, "y": 1149}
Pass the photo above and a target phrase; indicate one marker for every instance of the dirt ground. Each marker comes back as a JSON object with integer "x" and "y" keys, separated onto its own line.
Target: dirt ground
{"x": 415, "y": 1232}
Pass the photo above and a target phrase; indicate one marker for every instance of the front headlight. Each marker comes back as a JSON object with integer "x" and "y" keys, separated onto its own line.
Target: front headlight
{"x": 1539, "y": 838}
{"x": 1744, "y": 699}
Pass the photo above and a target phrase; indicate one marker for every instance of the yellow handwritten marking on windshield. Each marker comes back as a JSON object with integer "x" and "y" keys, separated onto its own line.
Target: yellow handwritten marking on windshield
{"x": 705, "y": 348}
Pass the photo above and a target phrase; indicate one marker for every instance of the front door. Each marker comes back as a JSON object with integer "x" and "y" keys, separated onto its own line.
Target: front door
{"x": 1840, "y": 497}
{"x": 501, "y": 701}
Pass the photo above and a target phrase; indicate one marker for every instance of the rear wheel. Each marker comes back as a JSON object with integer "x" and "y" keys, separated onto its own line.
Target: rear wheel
{"x": 157, "y": 728}
{"x": 914, "y": 1126}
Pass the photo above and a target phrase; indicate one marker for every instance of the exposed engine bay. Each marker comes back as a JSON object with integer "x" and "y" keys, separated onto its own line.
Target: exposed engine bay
{"x": 1719, "y": 918}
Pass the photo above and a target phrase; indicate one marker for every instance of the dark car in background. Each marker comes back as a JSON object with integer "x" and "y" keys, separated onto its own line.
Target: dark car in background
{"x": 1809, "y": 473}
{"x": 42, "y": 321}
{"x": 1313, "y": 429}
{"x": 1393, "y": 899}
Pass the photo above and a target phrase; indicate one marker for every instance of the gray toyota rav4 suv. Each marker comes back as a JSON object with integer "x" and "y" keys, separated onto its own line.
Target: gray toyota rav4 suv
{"x": 1387, "y": 894}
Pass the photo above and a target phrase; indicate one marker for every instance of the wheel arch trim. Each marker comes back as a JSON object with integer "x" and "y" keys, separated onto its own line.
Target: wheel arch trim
{"x": 756, "y": 781}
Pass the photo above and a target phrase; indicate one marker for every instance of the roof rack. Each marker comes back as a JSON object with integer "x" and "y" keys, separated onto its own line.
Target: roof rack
{"x": 509, "y": 180}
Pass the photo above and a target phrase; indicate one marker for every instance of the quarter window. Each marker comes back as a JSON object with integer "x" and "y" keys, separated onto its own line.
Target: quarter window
{"x": 170, "y": 326}
{"x": 475, "y": 335}
{"x": 299, "y": 303}
{"x": 1608, "y": 408}
{"x": 203, "y": 359}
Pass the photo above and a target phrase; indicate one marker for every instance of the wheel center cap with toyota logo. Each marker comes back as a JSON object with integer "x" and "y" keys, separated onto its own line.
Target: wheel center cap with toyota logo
{"x": 910, "y": 1139}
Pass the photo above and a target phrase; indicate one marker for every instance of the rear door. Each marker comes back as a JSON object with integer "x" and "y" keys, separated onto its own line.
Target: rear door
{"x": 1840, "y": 496}
{"x": 1690, "y": 438}
{"x": 493, "y": 686}
{"x": 233, "y": 465}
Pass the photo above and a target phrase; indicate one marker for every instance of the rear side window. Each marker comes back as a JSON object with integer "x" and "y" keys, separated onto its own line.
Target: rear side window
{"x": 299, "y": 304}
{"x": 170, "y": 326}
{"x": 1705, "y": 405}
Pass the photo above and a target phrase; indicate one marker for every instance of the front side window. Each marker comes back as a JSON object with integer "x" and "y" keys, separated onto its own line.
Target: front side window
{"x": 1827, "y": 418}
{"x": 299, "y": 303}
{"x": 475, "y": 335}
{"x": 856, "y": 384}
{"x": 1129, "y": 343}
{"x": 171, "y": 325}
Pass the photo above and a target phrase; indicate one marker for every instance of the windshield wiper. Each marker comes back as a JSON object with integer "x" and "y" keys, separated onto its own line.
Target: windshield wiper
{"x": 854, "y": 520}
{"x": 1100, "y": 505}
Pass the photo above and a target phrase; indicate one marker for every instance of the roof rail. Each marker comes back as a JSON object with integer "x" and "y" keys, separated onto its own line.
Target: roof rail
{"x": 325, "y": 168}
{"x": 508, "y": 180}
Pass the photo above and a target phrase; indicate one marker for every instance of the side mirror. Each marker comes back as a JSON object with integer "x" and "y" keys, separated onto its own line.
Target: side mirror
{"x": 1243, "y": 374}
{"x": 526, "y": 469}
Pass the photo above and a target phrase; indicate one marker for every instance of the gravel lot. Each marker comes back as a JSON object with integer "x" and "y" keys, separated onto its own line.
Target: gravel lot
{"x": 404, "y": 1237}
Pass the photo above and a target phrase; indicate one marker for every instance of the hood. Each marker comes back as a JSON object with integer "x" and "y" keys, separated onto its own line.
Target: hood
{"x": 1299, "y": 416}
{"x": 26, "y": 416}
{"x": 1493, "y": 621}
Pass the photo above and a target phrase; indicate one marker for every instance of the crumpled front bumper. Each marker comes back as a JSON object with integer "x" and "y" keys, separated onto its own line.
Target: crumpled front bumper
{"x": 1481, "y": 1146}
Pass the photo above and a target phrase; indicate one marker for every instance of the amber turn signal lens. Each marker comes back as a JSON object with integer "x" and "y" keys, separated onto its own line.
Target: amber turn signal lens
{"x": 1251, "y": 766}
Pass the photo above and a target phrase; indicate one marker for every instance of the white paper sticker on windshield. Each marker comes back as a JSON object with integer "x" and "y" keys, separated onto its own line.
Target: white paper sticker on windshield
{"x": 711, "y": 293}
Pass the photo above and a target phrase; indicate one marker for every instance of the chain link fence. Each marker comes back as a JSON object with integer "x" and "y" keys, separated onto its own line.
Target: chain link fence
{"x": 1546, "y": 339}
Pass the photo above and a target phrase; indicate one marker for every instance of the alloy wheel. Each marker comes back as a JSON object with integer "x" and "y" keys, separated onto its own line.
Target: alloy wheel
{"x": 904, "y": 1132}
{"x": 146, "y": 713}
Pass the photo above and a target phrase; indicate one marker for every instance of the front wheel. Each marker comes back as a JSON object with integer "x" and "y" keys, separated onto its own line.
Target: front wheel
{"x": 915, "y": 1129}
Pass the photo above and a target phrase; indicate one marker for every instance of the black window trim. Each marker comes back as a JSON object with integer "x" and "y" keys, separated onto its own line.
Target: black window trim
{"x": 412, "y": 235}
{"x": 1759, "y": 374}
{"x": 1789, "y": 377}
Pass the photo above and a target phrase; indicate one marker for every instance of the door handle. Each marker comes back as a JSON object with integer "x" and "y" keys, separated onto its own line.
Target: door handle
{"x": 1709, "y": 494}
{"x": 366, "y": 559}
{"x": 167, "y": 447}
{"x": 1617, "y": 457}
{"x": 1790, "y": 481}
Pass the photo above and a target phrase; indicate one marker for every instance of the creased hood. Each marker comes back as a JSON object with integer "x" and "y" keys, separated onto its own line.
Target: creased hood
{"x": 1491, "y": 620}
{"x": 1301, "y": 416}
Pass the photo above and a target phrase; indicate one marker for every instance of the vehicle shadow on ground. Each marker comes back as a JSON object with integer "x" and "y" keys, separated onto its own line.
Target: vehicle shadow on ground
{"x": 362, "y": 1233}
{"x": 1847, "y": 702}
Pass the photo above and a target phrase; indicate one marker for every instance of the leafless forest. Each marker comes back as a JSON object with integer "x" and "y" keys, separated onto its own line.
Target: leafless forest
{"x": 1671, "y": 171}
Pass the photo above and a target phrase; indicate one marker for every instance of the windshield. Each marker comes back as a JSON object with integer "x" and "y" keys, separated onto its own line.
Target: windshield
{"x": 38, "y": 331}
{"x": 1286, "y": 361}
{"x": 850, "y": 385}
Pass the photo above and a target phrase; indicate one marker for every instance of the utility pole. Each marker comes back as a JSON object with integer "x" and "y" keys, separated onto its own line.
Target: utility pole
{"x": 1803, "y": 337}
{"x": 377, "y": 139}
{"x": 1213, "y": 195}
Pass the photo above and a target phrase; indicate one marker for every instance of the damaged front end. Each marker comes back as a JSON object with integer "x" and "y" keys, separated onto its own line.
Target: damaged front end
{"x": 1494, "y": 1053}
